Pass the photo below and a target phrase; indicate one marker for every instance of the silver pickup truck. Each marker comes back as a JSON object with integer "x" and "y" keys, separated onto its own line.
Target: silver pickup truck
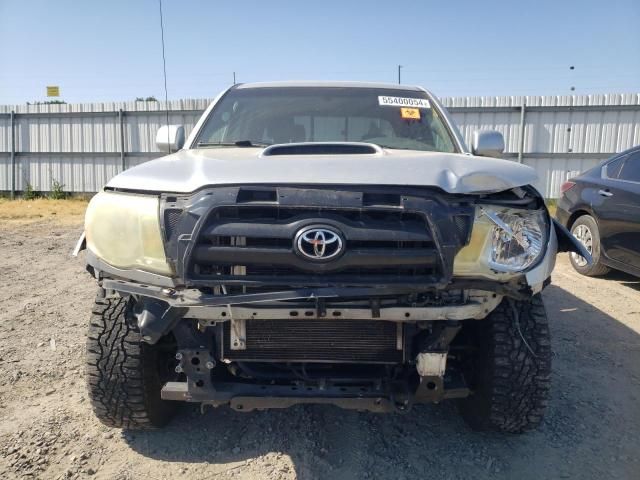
{"x": 322, "y": 242}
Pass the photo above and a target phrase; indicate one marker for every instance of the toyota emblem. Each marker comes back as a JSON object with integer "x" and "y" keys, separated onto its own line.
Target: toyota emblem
{"x": 319, "y": 243}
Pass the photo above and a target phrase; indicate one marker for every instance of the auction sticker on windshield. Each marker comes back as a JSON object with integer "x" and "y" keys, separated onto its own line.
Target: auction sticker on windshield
{"x": 403, "y": 102}
{"x": 410, "y": 113}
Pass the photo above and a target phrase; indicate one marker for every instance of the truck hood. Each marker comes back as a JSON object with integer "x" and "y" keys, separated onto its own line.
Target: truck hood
{"x": 189, "y": 170}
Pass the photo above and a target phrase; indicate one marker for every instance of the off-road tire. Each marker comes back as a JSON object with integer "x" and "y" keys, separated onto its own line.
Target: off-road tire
{"x": 510, "y": 384}
{"x": 597, "y": 268}
{"x": 123, "y": 374}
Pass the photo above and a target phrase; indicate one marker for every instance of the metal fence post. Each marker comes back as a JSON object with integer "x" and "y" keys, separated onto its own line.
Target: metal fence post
{"x": 523, "y": 109}
{"x": 121, "y": 120}
{"x": 13, "y": 154}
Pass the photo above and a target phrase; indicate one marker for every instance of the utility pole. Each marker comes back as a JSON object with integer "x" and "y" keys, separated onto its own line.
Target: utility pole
{"x": 399, "y": 68}
{"x": 234, "y": 78}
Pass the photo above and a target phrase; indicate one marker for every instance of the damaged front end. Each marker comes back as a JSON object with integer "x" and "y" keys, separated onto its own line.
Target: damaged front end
{"x": 353, "y": 296}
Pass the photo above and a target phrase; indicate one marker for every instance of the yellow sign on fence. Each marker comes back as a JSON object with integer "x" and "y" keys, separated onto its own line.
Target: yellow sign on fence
{"x": 53, "y": 91}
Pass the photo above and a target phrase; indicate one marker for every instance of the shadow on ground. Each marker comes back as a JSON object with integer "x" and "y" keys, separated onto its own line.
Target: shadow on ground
{"x": 590, "y": 430}
{"x": 625, "y": 279}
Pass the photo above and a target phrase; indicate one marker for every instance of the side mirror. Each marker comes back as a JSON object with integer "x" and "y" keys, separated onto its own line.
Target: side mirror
{"x": 170, "y": 138}
{"x": 487, "y": 143}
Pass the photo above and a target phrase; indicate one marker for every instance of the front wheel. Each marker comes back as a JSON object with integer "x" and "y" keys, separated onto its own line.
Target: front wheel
{"x": 509, "y": 373}
{"x": 124, "y": 374}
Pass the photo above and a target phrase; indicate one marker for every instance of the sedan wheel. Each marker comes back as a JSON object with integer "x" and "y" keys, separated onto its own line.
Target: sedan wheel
{"x": 585, "y": 229}
{"x": 585, "y": 237}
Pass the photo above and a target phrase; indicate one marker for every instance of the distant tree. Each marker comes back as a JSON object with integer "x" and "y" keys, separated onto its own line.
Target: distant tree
{"x": 147, "y": 99}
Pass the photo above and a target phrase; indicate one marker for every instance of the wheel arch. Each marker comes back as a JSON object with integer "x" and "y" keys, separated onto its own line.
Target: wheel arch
{"x": 577, "y": 214}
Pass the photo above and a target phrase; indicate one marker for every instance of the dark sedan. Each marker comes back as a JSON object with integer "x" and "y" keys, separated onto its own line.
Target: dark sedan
{"x": 601, "y": 207}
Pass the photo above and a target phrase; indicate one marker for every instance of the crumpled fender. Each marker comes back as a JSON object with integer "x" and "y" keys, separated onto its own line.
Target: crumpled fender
{"x": 568, "y": 243}
{"x": 560, "y": 240}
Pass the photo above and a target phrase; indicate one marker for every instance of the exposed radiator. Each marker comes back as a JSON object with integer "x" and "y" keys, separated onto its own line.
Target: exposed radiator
{"x": 339, "y": 341}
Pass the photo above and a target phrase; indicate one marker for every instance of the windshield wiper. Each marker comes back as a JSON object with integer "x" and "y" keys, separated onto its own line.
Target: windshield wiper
{"x": 239, "y": 143}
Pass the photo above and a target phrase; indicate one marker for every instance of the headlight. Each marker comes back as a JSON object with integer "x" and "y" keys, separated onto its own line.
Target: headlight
{"x": 517, "y": 238}
{"x": 503, "y": 240}
{"x": 124, "y": 231}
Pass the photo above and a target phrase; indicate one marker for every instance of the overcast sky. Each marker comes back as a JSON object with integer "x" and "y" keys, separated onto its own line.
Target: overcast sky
{"x": 110, "y": 50}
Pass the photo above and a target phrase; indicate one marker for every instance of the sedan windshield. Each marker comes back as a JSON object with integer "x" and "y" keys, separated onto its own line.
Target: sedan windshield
{"x": 397, "y": 119}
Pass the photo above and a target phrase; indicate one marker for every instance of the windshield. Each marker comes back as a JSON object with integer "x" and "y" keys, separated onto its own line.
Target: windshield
{"x": 400, "y": 119}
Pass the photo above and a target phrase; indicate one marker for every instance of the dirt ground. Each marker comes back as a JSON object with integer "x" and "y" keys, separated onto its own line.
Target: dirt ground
{"x": 47, "y": 430}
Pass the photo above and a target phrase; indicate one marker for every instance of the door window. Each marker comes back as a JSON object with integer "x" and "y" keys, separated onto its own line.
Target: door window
{"x": 631, "y": 168}
{"x": 615, "y": 167}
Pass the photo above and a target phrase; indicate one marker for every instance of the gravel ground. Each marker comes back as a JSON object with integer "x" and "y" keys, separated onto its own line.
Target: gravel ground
{"x": 47, "y": 430}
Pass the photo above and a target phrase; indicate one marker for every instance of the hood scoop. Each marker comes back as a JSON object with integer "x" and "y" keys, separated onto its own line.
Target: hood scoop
{"x": 322, "y": 148}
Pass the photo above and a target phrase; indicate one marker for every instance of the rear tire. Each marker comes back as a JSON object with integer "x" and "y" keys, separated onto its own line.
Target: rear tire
{"x": 510, "y": 384}
{"x": 124, "y": 374}
{"x": 585, "y": 229}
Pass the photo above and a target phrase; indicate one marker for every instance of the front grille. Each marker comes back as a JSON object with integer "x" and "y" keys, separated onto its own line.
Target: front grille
{"x": 257, "y": 243}
{"x": 347, "y": 341}
{"x": 240, "y": 239}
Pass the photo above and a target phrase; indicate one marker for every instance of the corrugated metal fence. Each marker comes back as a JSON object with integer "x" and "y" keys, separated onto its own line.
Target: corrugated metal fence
{"x": 559, "y": 136}
{"x": 82, "y": 146}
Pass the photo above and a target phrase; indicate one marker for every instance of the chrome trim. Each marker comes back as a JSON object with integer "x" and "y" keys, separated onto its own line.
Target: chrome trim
{"x": 317, "y": 237}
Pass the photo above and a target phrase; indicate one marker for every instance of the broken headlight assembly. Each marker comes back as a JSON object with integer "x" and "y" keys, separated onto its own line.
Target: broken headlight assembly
{"x": 518, "y": 238}
{"x": 123, "y": 230}
{"x": 503, "y": 241}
